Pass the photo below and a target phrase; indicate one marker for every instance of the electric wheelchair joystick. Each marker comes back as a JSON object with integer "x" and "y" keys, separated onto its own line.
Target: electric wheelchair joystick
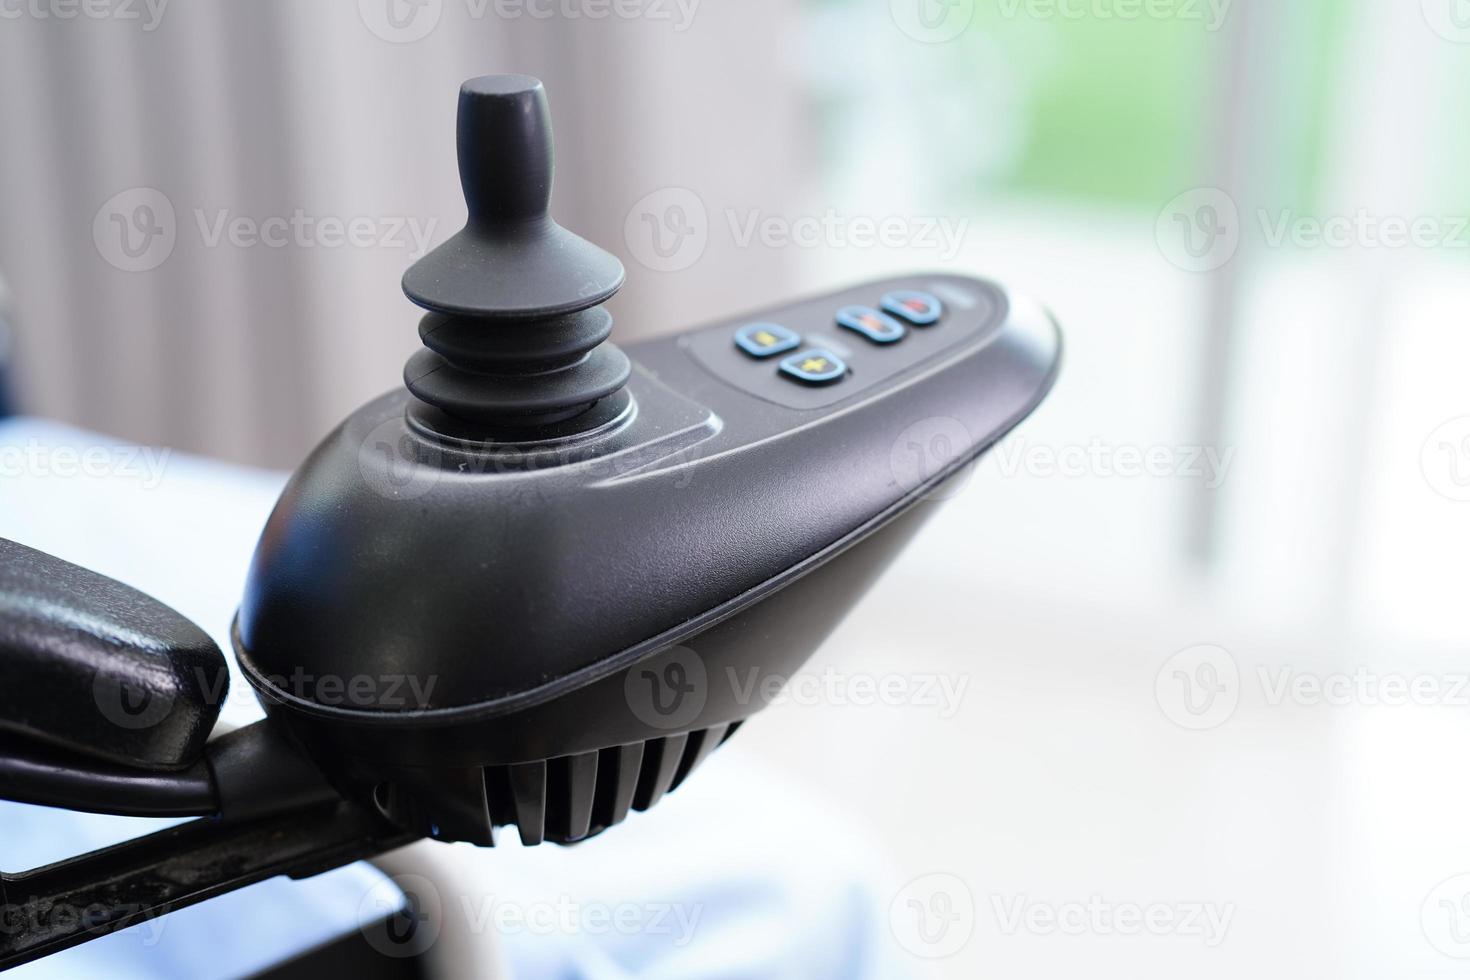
{"x": 513, "y": 591}
{"x": 515, "y": 333}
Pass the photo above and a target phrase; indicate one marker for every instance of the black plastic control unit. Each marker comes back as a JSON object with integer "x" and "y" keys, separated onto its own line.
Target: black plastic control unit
{"x": 531, "y": 586}
{"x": 727, "y": 509}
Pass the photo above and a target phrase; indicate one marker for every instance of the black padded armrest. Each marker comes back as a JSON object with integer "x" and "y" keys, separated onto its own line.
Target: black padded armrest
{"x": 100, "y": 669}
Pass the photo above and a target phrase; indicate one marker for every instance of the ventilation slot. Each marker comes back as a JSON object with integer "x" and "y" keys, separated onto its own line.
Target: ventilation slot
{"x": 700, "y": 745}
{"x": 617, "y": 781}
{"x": 573, "y": 797}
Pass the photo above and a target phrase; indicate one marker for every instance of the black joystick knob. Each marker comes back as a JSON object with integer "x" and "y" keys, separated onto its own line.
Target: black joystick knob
{"x": 515, "y": 330}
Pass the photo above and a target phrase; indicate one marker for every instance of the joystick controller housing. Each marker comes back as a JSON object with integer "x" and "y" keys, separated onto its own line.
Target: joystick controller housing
{"x": 536, "y": 586}
{"x": 568, "y": 552}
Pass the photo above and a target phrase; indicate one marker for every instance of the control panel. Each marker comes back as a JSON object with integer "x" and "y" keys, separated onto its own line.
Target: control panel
{"x": 817, "y": 352}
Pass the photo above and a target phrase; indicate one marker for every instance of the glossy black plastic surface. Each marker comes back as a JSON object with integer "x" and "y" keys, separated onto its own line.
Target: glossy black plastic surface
{"x": 101, "y": 670}
{"x": 491, "y": 571}
{"x": 463, "y": 631}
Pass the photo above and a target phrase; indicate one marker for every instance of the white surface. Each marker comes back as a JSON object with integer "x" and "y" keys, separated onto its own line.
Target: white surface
{"x": 1056, "y": 602}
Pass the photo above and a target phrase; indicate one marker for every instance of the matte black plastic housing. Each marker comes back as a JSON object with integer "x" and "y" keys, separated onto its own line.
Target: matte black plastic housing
{"x": 515, "y": 336}
{"x": 511, "y": 261}
{"x": 489, "y": 616}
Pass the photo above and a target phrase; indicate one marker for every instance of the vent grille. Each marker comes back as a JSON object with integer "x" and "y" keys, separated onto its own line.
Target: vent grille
{"x": 573, "y": 797}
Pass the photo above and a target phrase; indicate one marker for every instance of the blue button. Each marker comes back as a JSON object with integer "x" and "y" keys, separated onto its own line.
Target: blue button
{"x": 880, "y": 328}
{"x": 920, "y": 309}
{"x": 766, "y": 339}
{"x": 814, "y": 367}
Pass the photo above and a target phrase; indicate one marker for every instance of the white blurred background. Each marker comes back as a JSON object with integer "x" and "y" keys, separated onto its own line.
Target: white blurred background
{"x": 1250, "y": 219}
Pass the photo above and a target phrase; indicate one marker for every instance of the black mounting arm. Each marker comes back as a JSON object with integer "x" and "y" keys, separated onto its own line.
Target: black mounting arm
{"x": 108, "y": 697}
{"x": 54, "y": 908}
